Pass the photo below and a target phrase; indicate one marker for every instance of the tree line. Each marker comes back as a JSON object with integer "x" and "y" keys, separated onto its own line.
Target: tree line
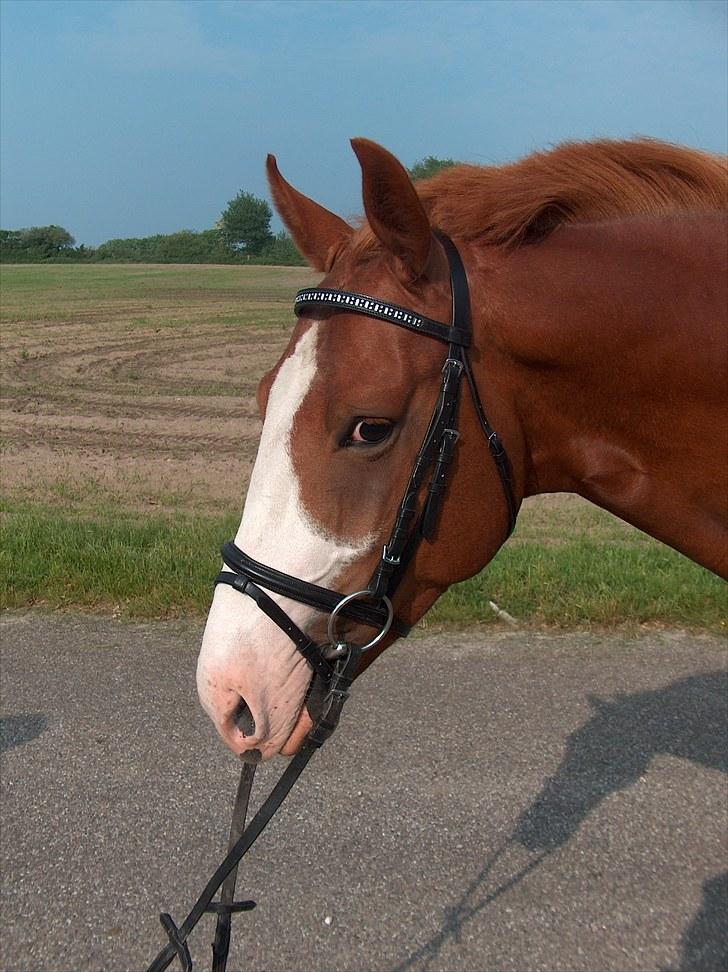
{"x": 241, "y": 235}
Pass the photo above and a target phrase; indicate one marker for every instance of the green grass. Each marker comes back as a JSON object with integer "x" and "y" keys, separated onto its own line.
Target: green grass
{"x": 28, "y": 283}
{"x": 158, "y": 567}
{"x": 148, "y": 567}
{"x": 159, "y": 296}
{"x": 586, "y": 581}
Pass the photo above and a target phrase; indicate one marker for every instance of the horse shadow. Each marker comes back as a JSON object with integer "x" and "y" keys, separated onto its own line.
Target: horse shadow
{"x": 615, "y": 747}
{"x": 610, "y": 752}
{"x": 16, "y": 730}
{"x": 704, "y": 942}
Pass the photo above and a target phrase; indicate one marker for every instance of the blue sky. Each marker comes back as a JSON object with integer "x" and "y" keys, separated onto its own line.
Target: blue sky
{"x": 146, "y": 116}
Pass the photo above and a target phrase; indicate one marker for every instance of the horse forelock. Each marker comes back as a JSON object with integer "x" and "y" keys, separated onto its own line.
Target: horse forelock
{"x": 524, "y": 201}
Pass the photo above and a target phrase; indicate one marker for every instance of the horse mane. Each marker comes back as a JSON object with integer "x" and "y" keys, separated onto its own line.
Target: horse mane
{"x": 524, "y": 201}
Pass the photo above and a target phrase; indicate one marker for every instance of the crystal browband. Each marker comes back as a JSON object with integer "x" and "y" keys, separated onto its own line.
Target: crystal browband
{"x": 380, "y": 309}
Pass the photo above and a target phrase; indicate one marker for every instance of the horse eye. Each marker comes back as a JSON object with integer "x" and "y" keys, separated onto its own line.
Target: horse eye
{"x": 371, "y": 431}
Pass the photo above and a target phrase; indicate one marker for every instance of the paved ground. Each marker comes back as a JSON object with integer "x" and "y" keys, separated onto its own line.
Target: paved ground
{"x": 515, "y": 801}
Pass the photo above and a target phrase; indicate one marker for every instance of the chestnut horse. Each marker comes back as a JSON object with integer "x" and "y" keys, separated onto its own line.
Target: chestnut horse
{"x": 597, "y": 275}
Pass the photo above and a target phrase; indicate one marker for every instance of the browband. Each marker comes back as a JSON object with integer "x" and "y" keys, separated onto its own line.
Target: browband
{"x": 380, "y": 309}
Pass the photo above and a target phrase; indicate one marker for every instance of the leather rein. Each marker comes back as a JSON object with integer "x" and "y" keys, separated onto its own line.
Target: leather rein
{"x": 336, "y": 663}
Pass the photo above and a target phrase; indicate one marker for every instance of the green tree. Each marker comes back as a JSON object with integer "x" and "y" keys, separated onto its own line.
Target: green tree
{"x": 11, "y": 246}
{"x": 35, "y": 244}
{"x": 281, "y": 251}
{"x": 428, "y": 167}
{"x": 133, "y": 249}
{"x": 47, "y": 240}
{"x": 187, "y": 246}
{"x": 245, "y": 223}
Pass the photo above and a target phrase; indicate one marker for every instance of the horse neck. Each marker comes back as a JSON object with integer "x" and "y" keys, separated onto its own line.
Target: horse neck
{"x": 590, "y": 339}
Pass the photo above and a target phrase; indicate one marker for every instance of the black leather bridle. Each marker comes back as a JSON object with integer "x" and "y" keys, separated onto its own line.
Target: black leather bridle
{"x": 335, "y": 664}
{"x": 248, "y": 576}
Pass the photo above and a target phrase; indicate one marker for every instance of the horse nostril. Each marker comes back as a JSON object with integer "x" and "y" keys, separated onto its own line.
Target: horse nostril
{"x": 243, "y": 719}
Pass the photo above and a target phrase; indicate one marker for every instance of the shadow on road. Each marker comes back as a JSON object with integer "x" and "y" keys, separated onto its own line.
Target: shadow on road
{"x": 19, "y": 729}
{"x": 610, "y": 752}
{"x": 615, "y": 747}
{"x": 705, "y": 941}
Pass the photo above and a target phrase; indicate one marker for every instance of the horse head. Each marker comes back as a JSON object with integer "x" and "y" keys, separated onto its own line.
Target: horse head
{"x": 345, "y": 410}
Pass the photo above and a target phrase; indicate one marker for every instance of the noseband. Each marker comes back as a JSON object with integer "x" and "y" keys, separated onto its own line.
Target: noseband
{"x": 335, "y": 664}
{"x": 372, "y": 606}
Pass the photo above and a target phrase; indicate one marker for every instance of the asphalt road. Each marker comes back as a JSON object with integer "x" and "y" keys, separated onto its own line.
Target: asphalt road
{"x": 517, "y": 801}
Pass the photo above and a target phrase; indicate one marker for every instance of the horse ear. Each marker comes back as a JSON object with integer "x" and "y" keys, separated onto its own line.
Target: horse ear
{"x": 317, "y": 233}
{"x": 393, "y": 207}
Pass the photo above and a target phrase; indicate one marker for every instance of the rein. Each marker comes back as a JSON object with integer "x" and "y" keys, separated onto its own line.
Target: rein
{"x": 336, "y": 663}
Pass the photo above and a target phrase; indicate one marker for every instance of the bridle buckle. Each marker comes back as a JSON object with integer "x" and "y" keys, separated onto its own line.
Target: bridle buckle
{"x": 452, "y": 364}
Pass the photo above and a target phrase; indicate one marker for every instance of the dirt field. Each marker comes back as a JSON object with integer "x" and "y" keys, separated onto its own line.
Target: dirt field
{"x": 143, "y": 397}
{"x": 132, "y": 387}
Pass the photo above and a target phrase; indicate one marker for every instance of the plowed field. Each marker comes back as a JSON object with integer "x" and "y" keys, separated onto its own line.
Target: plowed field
{"x": 134, "y": 386}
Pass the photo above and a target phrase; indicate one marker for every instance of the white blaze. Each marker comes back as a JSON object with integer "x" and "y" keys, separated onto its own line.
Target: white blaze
{"x": 243, "y": 653}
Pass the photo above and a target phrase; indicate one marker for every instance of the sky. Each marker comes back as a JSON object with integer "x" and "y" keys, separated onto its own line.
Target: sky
{"x": 132, "y": 117}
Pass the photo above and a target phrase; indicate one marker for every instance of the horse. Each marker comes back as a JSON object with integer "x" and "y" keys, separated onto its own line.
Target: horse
{"x": 597, "y": 282}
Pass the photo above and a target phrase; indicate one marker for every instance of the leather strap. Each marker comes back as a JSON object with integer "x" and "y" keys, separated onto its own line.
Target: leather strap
{"x": 336, "y": 694}
{"x": 461, "y": 320}
{"x": 343, "y": 300}
{"x": 178, "y": 936}
{"x": 320, "y": 598}
{"x": 497, "y": 451}
{"x": 305, "y": 645}
{"x": 226, "y": 907}
{"x": 436, "y": 449}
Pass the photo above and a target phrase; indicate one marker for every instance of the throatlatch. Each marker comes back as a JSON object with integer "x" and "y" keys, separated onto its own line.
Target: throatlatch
{"x": 335, "y": 664}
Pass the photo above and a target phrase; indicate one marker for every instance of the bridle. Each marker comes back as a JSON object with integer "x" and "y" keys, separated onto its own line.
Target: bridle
{"x": 248, "y": 575}
{"x": 335, "y": 663}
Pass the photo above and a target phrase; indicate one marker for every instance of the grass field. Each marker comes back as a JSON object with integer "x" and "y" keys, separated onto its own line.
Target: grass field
{"x": 128, "y": 434}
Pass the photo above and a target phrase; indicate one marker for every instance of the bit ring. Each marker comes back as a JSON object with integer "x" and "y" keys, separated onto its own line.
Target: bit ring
{"x": 359, "y": 596}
